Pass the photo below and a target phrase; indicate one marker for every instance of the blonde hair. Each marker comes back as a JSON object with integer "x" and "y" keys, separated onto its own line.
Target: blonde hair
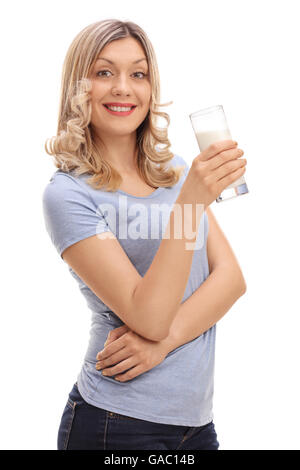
{"x": 73, "y": 148}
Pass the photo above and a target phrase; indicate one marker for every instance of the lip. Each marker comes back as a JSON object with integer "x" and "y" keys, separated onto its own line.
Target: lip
{"x": 119, "y": 113}
{"x": 120, "y": 104}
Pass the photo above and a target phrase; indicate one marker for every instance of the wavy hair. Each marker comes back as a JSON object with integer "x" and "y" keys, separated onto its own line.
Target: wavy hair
{"x": 74, "y": 148}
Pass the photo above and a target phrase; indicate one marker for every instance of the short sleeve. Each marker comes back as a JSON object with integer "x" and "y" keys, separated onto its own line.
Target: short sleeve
{"x": 70, "y": 214}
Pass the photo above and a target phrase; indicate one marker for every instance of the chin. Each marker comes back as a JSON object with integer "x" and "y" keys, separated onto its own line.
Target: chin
{"x": 117, "y": 132}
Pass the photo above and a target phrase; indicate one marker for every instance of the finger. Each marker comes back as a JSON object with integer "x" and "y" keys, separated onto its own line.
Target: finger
{"x": 112, "y": 348}
{"x": 216, "y": 148}
{"x": 121, "y": 367}
{"x": 114, "y": 359}
{"x": 224, "y": 157}
{"x": 228, "y": 168}
{"x": 116, "y": 333}
{"x": 107, "y": 342}
{"x": 132, "y": 373}
{"x": 120, "y": 330}
{"x": 229, "y": 179}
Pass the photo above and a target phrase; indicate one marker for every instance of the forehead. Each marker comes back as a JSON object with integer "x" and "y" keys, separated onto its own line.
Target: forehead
{"x": 126, "y": 49}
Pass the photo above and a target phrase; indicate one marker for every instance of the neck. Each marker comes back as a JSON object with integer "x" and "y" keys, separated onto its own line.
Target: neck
{"x": 121, "y": 152}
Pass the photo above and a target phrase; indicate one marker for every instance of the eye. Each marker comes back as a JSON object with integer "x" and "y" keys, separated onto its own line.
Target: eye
{"x": 144, "y": 74}
{"x": 102, "y": 71}
{"x": 99, "y": 74}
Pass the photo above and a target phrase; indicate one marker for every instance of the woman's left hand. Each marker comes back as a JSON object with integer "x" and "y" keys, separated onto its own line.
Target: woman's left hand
{"x": 124, "y": 349}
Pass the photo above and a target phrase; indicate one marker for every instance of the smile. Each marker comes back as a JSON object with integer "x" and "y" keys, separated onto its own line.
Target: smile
{"x": 118, "y": 111}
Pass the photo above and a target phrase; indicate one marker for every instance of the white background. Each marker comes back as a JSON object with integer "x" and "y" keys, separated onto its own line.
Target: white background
{"x": 241, "y": 54}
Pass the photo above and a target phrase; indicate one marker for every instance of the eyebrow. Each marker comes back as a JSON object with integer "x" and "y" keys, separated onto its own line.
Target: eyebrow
{"x": 135, "y": 62}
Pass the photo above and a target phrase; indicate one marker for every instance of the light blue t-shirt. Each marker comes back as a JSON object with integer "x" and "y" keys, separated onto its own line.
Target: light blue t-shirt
{"x": 179, "y": 390}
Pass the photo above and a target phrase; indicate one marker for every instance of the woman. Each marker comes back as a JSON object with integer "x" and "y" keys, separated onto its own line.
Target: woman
{"x": 155, "y": 291}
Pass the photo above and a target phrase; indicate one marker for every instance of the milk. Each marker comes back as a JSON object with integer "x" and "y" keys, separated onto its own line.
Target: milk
{"x": 206, "y": 138}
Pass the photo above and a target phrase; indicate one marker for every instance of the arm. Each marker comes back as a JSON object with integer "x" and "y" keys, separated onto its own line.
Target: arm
{"x": 149, "y": 304}
{"x": 206, "y": 306}
{"x": 197, "y": 314}
{"x": 124, "y": 348}
{"x": 139, "y": 302}
{"x": 215, "y": 296}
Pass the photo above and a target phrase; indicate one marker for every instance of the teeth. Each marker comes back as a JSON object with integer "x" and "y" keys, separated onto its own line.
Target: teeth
{"x": 117, "y": 108}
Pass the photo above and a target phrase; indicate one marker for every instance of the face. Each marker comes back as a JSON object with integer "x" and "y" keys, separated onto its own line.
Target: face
{"x": 121, "y": 78}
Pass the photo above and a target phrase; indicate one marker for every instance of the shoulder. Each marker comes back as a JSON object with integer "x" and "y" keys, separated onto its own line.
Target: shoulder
{"x": 61, "y": 179}
{"x": 70, "y": 213}
{"x": 66, "y": 197}
{"x": 60, "y": 185}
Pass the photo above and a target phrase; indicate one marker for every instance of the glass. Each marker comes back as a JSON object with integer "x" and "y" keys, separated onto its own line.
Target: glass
{"x": 210, "y": 126}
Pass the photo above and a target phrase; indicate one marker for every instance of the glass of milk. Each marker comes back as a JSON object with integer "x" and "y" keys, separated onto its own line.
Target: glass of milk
{"x": 210, "y": 126}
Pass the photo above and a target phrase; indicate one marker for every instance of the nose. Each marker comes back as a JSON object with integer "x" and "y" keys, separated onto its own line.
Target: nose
{"x": 121, "y": 86}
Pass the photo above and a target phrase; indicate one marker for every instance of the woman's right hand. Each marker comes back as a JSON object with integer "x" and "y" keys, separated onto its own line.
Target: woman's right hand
{"x": 213, "y": 170}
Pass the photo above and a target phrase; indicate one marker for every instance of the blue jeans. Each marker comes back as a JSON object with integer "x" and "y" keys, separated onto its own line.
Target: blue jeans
{"x": 86, "y": 427}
